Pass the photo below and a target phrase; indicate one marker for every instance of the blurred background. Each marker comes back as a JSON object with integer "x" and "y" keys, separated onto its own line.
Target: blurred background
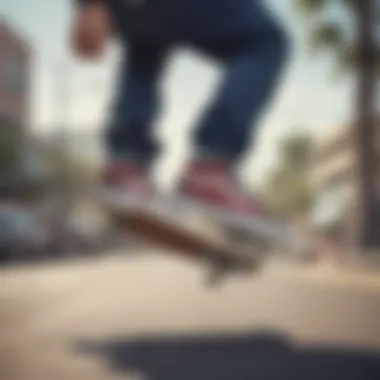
{"x": 316, "y": 163}
{"x": 316, "y": 159}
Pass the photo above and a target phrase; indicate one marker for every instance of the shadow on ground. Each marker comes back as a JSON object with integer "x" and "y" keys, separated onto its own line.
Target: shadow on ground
{"x": 233, "y": 357}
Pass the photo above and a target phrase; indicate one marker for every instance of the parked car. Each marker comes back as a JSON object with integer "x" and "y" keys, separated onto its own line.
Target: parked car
{"x": 21, "y": 234}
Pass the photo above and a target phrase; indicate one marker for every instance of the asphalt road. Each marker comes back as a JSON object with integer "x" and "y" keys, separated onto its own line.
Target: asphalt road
{"x": 150, "y": 317}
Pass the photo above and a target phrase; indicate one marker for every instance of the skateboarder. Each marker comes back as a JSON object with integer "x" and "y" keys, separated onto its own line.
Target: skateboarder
{"x": 240, "y": 34}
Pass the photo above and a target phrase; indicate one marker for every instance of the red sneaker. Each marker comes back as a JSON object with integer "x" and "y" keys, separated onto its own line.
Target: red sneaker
{"x": 210, "y": 186}
{"x": 126, "y": 185}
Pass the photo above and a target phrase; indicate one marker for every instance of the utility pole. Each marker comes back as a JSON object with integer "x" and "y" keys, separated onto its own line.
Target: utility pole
{"x": 367, "y": 156}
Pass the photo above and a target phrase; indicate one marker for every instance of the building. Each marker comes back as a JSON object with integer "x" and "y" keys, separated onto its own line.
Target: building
{"x": 15, "y": 67}
{"x": 333, "y": 174}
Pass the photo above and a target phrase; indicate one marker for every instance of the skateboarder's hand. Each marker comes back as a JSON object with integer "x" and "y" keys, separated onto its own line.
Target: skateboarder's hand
{"x": 91, "y": 31}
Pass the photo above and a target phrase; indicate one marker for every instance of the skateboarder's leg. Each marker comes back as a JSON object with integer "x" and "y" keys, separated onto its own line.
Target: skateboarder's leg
{"x": 130, "y": 138}
{"x": 130, "y": 135}
{"x": 252, "y": 48}
{"x": 252, "y": 59}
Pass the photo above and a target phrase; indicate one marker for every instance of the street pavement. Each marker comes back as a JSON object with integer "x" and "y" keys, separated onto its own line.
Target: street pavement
{"x": 149, "y": 316}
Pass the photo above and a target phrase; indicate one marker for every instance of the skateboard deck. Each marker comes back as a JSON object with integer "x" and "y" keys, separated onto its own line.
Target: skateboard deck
{"x": 224, "y": 255}
{"x": 167, "y": 225}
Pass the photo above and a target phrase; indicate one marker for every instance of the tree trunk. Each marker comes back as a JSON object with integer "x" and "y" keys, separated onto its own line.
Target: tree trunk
{"x": 367, "y": 160}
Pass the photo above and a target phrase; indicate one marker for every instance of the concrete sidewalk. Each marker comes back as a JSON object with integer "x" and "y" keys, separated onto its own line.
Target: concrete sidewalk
{"x": 47, "y": 310}
{"x": 329, "y": 272}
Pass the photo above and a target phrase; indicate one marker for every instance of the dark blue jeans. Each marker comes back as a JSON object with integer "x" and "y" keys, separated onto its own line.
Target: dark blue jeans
{"x": 242, "y": 36}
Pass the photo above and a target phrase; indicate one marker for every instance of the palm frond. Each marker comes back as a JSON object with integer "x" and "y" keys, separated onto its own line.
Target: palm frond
{"x": 345, "y": 61}
{"x": 310, "y": 7}
{"x": 327, "y": 35}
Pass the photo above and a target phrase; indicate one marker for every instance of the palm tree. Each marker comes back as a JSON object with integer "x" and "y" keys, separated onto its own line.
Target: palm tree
{"x": 362, "y": 55}
{"x": 287, "y": 191}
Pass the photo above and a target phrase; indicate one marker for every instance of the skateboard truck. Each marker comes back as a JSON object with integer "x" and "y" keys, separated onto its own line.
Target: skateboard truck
{"x": 222, "y": 267}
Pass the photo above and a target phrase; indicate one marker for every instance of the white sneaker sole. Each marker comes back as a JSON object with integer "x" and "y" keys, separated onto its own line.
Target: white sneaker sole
{"x": 173, "y": 209}
{"x": 122, "y": 200}
{"x": 272, "y": 233}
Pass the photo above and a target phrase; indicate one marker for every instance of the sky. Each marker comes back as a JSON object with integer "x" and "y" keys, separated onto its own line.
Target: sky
{"x": 310, "y": 97}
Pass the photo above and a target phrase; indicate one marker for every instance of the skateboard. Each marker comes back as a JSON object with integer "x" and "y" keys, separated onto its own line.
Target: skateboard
{"x": 223, "y": 252}
{"x": 225, "y": 249}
